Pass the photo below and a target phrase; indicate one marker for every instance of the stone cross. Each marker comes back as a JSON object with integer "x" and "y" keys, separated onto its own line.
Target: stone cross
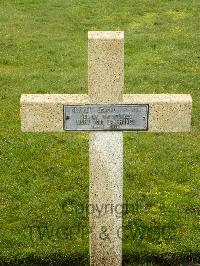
{"x": 164, "y": 113}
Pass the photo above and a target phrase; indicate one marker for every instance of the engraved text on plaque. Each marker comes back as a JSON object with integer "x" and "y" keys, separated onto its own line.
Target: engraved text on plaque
{"x": 104, "y": 117}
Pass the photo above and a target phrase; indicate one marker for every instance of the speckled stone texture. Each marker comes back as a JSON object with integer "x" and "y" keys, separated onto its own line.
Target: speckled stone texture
{"x": 167, "y": 112}
{"x": 44, "y": 112}
{"x": 106, "y": 187}
{"x": 105, "y": 85}
{"x": 105, "y": 66}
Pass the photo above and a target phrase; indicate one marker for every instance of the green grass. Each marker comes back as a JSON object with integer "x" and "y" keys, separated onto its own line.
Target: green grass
{"x": 44, "y": 177}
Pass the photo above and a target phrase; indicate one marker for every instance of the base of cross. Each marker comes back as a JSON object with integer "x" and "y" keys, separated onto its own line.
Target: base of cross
{"x": 166, "y": 113}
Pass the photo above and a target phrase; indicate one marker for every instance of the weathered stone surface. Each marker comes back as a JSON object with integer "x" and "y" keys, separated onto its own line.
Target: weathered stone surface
{"x": 105, "y": 66}
{"x": 106, "y": 187}
{"x": 167, "y": 112}
{"x": 105, "y": 85}
{"x": 44, "y": 112}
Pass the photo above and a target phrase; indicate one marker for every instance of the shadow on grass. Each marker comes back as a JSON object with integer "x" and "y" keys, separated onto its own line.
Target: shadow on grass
{"x": 167, "y": 259}
{"x": 191, "y": 258}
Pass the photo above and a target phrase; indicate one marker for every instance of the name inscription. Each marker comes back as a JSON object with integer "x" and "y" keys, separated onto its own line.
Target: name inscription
{"x": 106, "y": 117}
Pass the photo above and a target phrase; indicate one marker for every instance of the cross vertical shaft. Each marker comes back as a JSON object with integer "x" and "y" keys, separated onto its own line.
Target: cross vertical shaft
{"x": 105, "y": 85}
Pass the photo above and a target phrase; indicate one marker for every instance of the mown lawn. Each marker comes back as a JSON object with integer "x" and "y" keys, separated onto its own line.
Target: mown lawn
{"x": 44, "y": 177}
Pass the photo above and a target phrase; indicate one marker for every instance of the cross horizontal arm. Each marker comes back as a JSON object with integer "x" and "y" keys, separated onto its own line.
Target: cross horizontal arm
{"x": 44, "y": 112}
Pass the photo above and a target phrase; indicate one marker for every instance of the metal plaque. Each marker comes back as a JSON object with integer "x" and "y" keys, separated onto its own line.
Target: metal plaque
{"x": 106, "y": 117}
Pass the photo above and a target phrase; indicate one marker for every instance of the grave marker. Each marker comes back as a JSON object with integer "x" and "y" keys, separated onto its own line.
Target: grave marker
{"x": 106, "y": 112}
